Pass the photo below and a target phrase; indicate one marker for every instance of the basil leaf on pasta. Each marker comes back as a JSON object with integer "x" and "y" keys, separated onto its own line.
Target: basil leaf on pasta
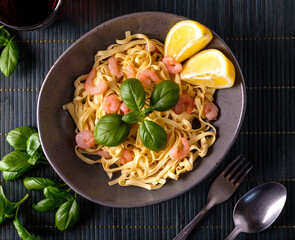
{"x": 132, "y": 117}
{"x": 152, "y": 135}
{"x": 133, "y": 94}
{"x": 165, "y": 96}
{"x": 145, "y": 112}
{"x": 111, "y": 130}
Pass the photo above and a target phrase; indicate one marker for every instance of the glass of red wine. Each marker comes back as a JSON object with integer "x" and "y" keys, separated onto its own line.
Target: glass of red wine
{"x": 28, "y": 14}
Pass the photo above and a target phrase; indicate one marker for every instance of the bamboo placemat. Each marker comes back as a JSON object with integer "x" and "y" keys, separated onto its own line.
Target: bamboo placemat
{"x": 260, "y": 33}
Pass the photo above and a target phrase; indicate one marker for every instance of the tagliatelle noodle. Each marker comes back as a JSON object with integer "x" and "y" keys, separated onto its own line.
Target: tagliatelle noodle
{"x": 148, "y": 169}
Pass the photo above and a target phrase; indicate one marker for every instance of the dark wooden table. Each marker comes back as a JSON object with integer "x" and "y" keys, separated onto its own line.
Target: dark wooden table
{"x": 261, "y": 34}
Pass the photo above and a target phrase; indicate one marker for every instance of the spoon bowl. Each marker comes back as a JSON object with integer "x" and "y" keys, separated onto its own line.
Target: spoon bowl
{"x": 258, "y": 208}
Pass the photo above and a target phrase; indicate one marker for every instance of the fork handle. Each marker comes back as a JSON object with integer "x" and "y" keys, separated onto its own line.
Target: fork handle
{"x": 186, "y": 231}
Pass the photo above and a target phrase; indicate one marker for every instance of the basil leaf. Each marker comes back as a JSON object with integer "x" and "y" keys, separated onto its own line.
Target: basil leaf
{"x": 145, "y": 112}
{"x": 9, "y": 215}
{"x": 133, "y": 94}
{"x": 33, "y": 144}
{"x": 132, "y": 117}
{"x": 47, "y": 204}
{"x": 22, "y": 232}
{"x": 2, "y": 219}
{"x": 17, "y": 138}
{"x": 111, "y": 130}
{"x": 67, "y": 215}
{"x": 6, "y": 207}
{"x": 39, "y": 183}
{"x": 9, "y": 58}
{"x": 165, "y": 96}
{"x": 9, "y": 176}
{"x": 34, "y": 158}
{"x": 152, "y": 135}
{"x": 56, "y": 193}
{"x": 4, "y": 36}
{"x": 15, "y": 162}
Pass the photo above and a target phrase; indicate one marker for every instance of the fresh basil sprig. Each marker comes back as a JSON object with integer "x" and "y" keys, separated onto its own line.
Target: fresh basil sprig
{"x": 164, "y": 97}
{"x": 25, "y": 140}
{"x": 28, "y": 153}
{"x": 55, "y": 197}
{"x": 53, "y": 191}
{"x": 7, "y": 211}
{"x": 10, "y": 53}
{"x": 112, "y": 129}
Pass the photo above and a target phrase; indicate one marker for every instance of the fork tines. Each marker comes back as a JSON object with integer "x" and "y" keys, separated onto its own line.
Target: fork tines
{"x": 230, "y": 173}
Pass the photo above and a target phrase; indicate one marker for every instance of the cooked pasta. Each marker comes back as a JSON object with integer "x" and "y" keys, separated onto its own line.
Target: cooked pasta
{"x": 148, "y": 169}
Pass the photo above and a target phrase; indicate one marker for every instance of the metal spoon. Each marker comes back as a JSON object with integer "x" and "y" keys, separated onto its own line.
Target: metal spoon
{"x": 258, "y": 208}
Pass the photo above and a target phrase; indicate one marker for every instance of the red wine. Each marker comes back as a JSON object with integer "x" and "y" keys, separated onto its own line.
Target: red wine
{"x": 26, "y": 12}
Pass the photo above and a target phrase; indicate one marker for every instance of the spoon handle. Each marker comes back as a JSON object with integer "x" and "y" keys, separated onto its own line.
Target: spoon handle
{"x": 186, "y": 231}
{"x": 233, "y": 234}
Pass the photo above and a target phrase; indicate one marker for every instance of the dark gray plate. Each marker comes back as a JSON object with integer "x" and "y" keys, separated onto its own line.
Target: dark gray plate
{"x": 56, "y": 127}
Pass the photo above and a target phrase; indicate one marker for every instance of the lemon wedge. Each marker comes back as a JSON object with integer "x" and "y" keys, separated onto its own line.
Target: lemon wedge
{"x": 185, "y": 39}
{"x": 210, "y": 68}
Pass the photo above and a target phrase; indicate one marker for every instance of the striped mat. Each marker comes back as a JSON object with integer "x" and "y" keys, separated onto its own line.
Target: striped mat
{"x": 260, "y": 33}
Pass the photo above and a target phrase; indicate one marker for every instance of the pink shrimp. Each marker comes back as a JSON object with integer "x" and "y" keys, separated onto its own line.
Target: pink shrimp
{"x": 104, "y": 154}
{"x": 100, "y": 88}
{"x": 153, "y": 48}
{"x": 171, "y": 65}
{"x": 148, "y": 76}
{"x": 180, "y": 151}
{"x": 111, "y": 104}
{"x": 85, "y": 139}
{"x": 130, "y": 71}
{"x": 114, "y": 68}
{"x": 185, "y": 102}
{"x": 211, "y": 111}
{"x": 124, "y": 108}
{"x": 126, "y": 157}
